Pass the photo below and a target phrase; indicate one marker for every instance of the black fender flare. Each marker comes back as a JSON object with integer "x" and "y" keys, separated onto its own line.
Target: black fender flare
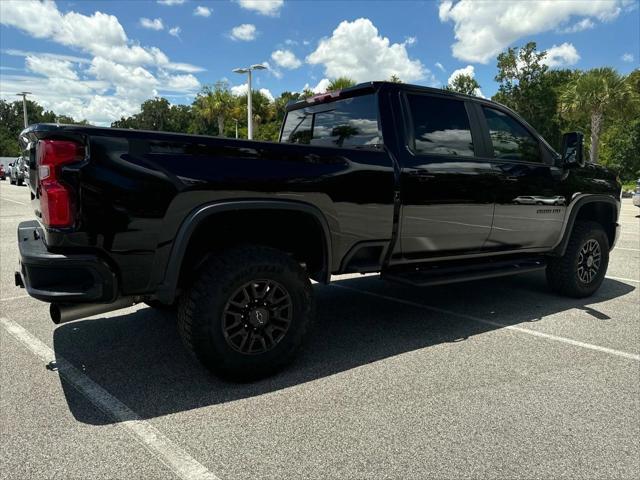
{"x": 166, "y": 291}
{"x": 574, "y": 209}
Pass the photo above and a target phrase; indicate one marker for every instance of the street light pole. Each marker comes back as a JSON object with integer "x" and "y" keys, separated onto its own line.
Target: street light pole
{"x": 24, "y": 106}
{"x": 249, "y": 108}
{"x": 248, "y": 71}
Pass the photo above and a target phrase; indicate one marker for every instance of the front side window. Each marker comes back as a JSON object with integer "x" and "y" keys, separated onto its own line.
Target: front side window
{"x": 511, "y": 141}
{"x": 440, "y": 126}
{"x": 352, "y": 122}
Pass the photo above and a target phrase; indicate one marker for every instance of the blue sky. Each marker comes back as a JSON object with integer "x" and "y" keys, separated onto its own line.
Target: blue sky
{"x": 100, "y": 59}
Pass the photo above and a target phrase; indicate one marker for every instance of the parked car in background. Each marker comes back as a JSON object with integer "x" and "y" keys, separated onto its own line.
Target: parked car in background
{"x": 636, "y": 194}
{"x": 3, "y": 174}
{"x": 17, "y": 172}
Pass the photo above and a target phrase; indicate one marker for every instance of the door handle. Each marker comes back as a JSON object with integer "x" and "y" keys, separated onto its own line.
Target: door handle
{"x": 511, "y": 179}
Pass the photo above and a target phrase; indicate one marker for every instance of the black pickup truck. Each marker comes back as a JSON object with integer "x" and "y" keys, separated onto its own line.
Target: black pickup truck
{"x": 423, "y": 185}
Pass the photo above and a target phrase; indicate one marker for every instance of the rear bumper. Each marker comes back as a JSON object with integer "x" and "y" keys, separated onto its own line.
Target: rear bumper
{"x": 61, "y": 278}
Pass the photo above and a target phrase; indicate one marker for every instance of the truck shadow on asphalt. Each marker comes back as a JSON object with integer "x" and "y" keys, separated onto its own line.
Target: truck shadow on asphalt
{"x": 139, "y": 359}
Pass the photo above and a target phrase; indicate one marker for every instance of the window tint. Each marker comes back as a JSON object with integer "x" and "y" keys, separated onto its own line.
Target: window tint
{"x": 509, "y": 137}
{"x": 441, "y": 126}
{"x": 297, "y": 128}
{"x": 352, "y": 122}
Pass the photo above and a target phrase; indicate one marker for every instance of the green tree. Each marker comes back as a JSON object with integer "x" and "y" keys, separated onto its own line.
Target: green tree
{"x": 12, "y": 123}
{"x": 395, "y": 79}
{"x": 340, "y": 83}
{"x": 527, "y": 86}
{"x": 621, "y": 148}
{"x": 214, "y": 104}
{"x": 306, "y": 93}
{"x": 601, "y": 93}
{"x": 464, "y": 84}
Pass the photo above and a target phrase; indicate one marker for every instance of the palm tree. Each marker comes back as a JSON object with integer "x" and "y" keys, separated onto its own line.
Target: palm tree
{"x": 340, "y": 83}
{"x": 215, "y": 104}
{"x": 597, "y": 93}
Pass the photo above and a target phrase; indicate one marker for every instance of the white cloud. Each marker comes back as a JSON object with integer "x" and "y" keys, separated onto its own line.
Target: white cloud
{"x": 285, "y": 59}
{"x": 484, "y": 29}
{"x": 240, "y": 90}
{"x": 99, "y": 34}
{"x": 201, "y": 11}
{"x": 627, "y": 57}
{"x": 50, "y": 67}
{"x": 439, "y": 65}
{"x": 356, "y": 50}
{"x": 322, "y": 86}
{"x": 183, "y": 67}
{"x": 469, "y": 71}
{"x": 130, "y": 82}
{"x": 245, "y": 32}
{"x": 584, "y": 24}
{"x": 155, "y": 24}
{"x": 410, "y": 41}
{"x": 561, "y": 55}
{"x": 24, "y": 53}
{"x": 175, "y": 31}
{"x": 180, "y": 83}
{"x": 117, "y": 77}
{"x": 264, "y": 7}
{"x": 171, "y": 2}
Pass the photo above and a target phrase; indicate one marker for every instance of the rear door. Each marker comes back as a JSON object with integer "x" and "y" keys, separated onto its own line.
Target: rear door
{"x": 530, "y": 207}
{"x": 447, "y": 190}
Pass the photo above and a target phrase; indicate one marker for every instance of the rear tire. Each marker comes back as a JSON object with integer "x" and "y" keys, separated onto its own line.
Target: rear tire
{"x": 581, "y": 270}
{"x": 247, "y": 313}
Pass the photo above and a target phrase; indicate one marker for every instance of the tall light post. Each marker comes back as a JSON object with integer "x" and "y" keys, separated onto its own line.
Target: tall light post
{"x": 248, "y": 71}
{"x": 24, "y": 106}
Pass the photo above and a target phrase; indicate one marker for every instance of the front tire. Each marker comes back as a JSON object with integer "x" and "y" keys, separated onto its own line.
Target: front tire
{"x": 247, "y": 313}
{"x": 581, "y": 270}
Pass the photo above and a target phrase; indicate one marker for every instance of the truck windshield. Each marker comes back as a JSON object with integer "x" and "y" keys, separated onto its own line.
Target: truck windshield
{"x": 351, "y": 122}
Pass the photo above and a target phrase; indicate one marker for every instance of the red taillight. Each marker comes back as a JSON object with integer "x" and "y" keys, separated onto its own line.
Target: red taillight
{"x": 56, "y": 198}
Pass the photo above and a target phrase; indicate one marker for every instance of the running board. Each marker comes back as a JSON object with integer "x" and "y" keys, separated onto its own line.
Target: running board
{"x": 427, "y": 276}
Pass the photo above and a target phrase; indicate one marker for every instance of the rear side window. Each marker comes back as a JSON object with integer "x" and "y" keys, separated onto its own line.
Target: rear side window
{"x": 510, "y": 139}
{"x": 440, "y": 126}
{"x": 352, "y": 122}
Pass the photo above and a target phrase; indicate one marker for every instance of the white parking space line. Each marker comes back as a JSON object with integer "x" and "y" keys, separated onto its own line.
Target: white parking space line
{"x": 622, "y": 279}
{"x": 628, "y": 249}
{"x": 14, "y": 201}
{"x": 556, "y": 338}
{"x": 17, "y": 297}
{"x": 179, "y": 461}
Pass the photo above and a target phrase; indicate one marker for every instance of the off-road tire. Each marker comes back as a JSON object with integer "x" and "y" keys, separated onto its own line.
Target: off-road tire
{"x": 201, "y": 308}
{"x": 562, "y": 272}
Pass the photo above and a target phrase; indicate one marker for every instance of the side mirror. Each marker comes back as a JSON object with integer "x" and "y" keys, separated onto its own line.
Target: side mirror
{"x": 572, "y": 151}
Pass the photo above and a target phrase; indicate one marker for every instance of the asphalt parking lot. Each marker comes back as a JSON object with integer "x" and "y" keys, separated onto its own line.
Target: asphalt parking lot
{"x": 491, "y": 379}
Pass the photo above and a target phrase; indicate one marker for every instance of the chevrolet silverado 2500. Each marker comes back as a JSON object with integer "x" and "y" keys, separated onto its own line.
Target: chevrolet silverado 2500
{"x": 422, "y": 185}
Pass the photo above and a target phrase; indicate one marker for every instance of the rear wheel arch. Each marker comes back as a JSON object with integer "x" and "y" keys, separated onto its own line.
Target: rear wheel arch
{"x": 248, "y": 222}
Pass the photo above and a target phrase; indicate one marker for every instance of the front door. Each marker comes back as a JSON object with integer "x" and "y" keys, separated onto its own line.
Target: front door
{"x": 447, "y": 191}
{"x": 530, "y": 207}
